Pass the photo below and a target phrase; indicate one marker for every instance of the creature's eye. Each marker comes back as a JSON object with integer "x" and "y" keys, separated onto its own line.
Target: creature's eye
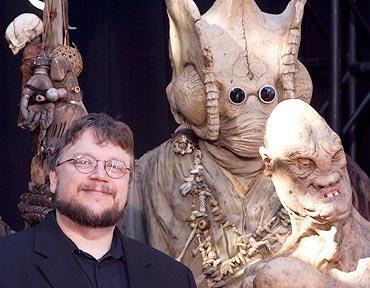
{"x": 237, "y": 95}
{"x": 302, "y": 167}
{"x": 340, "y": 157}
{"x": 305, "y": 163}
{"x": 267, "y": 94}
{"x": 40, "y": 98}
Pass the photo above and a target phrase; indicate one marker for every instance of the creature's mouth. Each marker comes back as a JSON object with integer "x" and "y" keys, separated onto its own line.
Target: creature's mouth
{"x": 330, "y": 193}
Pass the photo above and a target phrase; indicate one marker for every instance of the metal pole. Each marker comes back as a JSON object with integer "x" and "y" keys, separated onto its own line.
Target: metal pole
{"x": 335, "y": 84}
{"x": 356, "y": 11}
{"x": 356, "y": 114}
{"x": 352, "y": 84}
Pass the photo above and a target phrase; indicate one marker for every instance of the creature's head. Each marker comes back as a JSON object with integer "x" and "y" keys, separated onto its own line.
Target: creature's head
{"x": 22, "y": 30}
{"x": 231, "y": 66}
{"x": 307, "y": 164}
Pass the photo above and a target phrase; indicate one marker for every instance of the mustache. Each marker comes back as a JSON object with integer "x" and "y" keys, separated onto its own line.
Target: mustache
{"x": 101, "y": 187}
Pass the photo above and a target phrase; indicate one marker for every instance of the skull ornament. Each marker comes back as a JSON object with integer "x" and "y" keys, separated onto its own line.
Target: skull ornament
{"x": 231, "y": 66}
{"x": 22, "y": 30}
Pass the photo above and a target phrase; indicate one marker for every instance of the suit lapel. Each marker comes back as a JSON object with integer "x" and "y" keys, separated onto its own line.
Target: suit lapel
{"x": 57, "y": 265}
{"x": 139, "y": 267}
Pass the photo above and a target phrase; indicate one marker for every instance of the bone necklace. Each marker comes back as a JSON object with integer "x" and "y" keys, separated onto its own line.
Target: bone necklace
{"x": 251, "y": 247}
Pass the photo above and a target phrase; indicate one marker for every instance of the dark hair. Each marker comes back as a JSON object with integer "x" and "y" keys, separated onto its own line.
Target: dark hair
{"x": 105, "y": 128}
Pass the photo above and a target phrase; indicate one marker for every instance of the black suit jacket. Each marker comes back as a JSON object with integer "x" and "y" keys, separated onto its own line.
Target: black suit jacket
{"x": 37, "y": 258}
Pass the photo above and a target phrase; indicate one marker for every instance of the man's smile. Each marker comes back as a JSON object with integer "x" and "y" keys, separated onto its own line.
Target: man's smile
{"x": 101, "y": 189}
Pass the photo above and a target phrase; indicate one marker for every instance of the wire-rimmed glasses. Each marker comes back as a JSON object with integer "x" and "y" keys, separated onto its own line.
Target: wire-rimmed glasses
{"x": 86, "y": 163}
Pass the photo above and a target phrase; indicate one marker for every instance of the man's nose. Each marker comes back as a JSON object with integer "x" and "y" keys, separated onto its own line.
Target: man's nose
{"x": 99, "y": 171}
{"x": 326, "y": 180}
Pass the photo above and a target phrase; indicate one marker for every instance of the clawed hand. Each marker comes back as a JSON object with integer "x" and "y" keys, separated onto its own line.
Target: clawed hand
{"x": 37, "y": 115}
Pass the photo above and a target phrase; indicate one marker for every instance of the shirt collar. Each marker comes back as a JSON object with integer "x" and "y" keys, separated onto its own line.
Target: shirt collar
{"x": 115, "y": 251}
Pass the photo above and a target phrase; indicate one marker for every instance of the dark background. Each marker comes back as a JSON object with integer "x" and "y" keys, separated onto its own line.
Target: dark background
{"x": 126, "y": 70}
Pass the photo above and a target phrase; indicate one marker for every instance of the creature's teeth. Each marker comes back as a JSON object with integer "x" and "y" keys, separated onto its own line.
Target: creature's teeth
{"x": 330, "y": 195}
{"x": 336, "y": 193}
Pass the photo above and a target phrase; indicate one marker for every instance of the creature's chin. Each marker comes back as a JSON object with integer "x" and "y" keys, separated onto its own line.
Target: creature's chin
{"x": 329, "y": 213}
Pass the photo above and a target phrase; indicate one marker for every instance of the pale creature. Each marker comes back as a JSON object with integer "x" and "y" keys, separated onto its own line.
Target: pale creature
{"x": 206, "y": 201}
{"x": 307, "y": 165}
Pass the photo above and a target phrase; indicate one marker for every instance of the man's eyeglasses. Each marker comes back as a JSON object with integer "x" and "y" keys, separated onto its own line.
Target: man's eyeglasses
{"x": 86, "y": 163}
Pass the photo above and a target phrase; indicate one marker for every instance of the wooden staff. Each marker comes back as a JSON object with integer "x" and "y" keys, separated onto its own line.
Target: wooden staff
{"x": 55, "y": 18}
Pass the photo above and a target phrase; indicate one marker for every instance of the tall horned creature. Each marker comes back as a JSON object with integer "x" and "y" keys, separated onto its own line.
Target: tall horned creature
{"x": 201, "y": 197}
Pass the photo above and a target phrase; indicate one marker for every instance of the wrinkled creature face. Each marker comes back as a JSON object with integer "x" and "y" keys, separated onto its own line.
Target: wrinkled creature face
{"x": 231, "y": 66}
{"x": 248, "y": 84}
{"x": 246, "y": 66}
{"x": 307, "y": 165}
{"x": 314, "y": 181}
{"x": 246, "y": 109}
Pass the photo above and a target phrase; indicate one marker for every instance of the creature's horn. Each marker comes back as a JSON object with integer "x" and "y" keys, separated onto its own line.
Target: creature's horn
{"x": 189, "y": 45}
{"x": 228, "y": 9}
{"x": 294, "y": 13}
{"x": 38, "y": 4}
{"x": 291, "y": 70}
{"x": 182, "y": 15}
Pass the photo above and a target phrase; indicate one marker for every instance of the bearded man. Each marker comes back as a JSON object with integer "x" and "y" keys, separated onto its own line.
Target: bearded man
{"x": 78, "y": 245}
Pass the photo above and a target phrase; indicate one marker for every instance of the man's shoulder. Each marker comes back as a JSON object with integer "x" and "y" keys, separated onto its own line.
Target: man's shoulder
{"x": 16, "y": 252}
{"x": 17, "y": 261}
{"x": 17, "y": 241}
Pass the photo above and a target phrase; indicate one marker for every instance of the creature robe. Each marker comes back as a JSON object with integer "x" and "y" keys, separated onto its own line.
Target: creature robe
{"x": 156, "y": 186}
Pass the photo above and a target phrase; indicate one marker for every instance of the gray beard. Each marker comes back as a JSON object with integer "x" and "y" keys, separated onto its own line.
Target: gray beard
{"x": 81, "y": 214}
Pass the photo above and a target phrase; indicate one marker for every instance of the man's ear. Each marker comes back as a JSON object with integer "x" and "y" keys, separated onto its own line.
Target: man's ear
{"x": 53, "y": 181}
{"x": 266, "y": 160}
